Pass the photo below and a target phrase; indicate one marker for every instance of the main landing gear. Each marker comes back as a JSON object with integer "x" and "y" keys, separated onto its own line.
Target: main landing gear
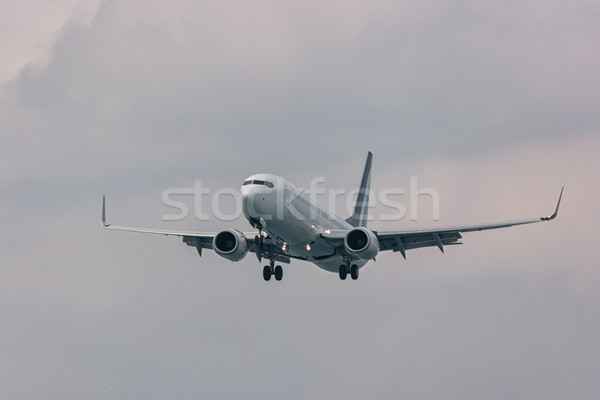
{"x": 352, "y": 269}
{"x": 269, "y": 271}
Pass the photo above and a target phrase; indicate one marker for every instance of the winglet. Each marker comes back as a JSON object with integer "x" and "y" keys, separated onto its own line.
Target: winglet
{"x": 104, "y": 212}
{"x": 557, "y": 205}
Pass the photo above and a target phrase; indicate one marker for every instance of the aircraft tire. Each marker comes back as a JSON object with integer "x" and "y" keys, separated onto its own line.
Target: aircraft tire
{"x": 354, "y": 271}
{"x": 278, "y": 273}
{"x": 343, "y": 272}
{"x": 267, "y": 272}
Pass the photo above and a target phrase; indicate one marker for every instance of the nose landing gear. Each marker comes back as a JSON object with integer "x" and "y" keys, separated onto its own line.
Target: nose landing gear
{"x": 271, "y": 269}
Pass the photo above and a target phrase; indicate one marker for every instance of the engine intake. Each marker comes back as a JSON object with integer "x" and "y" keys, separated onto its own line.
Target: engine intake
{"x": 362, "y": 243}
{"x": 230, "y": 244}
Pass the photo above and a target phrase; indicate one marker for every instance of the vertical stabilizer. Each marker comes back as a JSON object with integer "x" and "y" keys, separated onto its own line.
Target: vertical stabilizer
{"x": 361, "y": 209}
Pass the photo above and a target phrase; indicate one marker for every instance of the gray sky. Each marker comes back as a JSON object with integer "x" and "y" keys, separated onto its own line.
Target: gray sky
{"x": 504, "y": 120}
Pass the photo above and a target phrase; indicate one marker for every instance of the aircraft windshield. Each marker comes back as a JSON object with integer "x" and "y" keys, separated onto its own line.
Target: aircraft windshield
{"x": 259, "y": 182}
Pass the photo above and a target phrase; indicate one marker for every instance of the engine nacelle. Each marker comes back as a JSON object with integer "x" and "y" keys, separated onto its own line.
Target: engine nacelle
{"x": 362, "y": 243}
{"x": 230, "y": 244}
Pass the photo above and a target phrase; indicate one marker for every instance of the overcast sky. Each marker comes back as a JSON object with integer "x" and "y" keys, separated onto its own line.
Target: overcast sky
{"x": 152, "y": 96}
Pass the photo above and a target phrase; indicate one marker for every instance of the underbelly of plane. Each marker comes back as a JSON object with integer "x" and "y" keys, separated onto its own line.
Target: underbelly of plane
{"x": 300, "y": 234}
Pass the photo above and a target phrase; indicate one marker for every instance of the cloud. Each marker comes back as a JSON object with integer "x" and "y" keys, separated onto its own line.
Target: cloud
{"x": 31, "y": 28}
{"x": 291, "y": 76}
{"x": 505, "y": 120}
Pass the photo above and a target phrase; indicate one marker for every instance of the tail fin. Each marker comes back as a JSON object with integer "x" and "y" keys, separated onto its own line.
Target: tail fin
{"x": 359, "y": 218}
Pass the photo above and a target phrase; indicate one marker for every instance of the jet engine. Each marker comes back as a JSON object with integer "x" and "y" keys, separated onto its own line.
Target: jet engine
{"x": 230, "y": 244}
{"x": 362, "y": 243}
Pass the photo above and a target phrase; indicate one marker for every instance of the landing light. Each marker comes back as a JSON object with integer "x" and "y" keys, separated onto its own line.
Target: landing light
{"x": 284, "y": 246}
{"x": 308, "y": 247}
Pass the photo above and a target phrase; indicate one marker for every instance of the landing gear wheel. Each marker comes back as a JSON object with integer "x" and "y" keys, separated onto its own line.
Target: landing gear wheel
{"x": 267, "y": 272}
{"x": 354, "y": 271}
{"x": 278, "y": 272}
{"x": 343, "y": 272}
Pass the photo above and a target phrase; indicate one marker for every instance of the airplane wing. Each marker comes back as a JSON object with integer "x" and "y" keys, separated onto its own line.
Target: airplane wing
{"x": 199, "y": 240}
{"x": 204, "y": 239}
{"x": 408, "y": 239}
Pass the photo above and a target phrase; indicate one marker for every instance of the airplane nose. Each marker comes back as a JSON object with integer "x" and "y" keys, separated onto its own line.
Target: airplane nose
{"x": 248, "y": 200}
{"x": 247, "y": 191}
{"x": 255, "y": 201}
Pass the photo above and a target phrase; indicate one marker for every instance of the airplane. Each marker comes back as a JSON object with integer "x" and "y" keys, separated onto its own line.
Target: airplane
{"x": 292, "y": 226}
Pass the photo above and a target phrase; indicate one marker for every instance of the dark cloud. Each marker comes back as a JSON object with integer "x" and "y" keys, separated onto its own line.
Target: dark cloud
{"x": 504, "y": 120}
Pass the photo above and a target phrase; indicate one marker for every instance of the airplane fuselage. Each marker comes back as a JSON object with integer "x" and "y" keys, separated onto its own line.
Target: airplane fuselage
{"x": 293, "y": 220}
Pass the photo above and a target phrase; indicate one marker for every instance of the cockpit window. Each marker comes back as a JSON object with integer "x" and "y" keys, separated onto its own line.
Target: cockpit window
{"x": 259, "y": 182}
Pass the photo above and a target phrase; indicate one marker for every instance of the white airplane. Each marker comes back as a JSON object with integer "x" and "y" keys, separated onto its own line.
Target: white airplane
{"x": 291, "y": 226}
